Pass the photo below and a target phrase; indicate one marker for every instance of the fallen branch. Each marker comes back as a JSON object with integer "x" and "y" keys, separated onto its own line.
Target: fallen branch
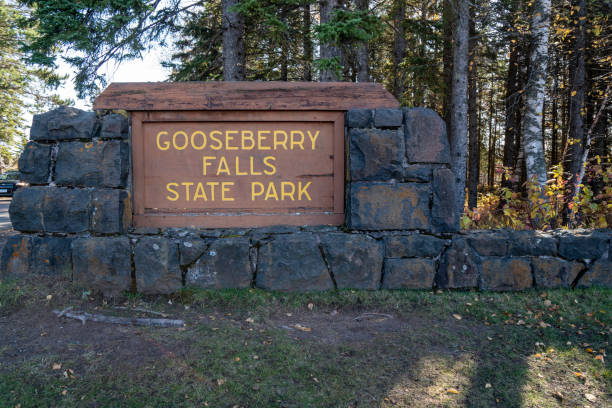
{"x": 134, "y": 321}
{"x": 63, "y": 312}
{"x": 139, "y": 309}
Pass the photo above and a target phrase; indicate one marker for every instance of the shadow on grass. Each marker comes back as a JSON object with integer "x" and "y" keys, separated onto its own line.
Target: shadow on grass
{"x": 423, "y": 356}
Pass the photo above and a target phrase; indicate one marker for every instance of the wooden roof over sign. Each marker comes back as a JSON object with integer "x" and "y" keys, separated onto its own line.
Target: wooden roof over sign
{"x": 236, "y": 96}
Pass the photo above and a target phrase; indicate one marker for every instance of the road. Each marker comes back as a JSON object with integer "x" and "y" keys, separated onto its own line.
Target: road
{"x": 5, "y": 222}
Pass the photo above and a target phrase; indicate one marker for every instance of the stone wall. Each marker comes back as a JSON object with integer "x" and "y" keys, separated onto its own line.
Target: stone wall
{"x": 400, "y": 232}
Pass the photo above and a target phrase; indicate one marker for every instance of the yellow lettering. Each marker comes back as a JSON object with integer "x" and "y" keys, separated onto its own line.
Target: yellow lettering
{"x": 313, "y": 138}
{"x": 238, "y": 173}
{"x": 286, "y": 193}
{"x": 170, "y": 190}
{"x": 219, "y": 144}
{"x": 223, "y": 167}
{"x": 277, "y": 142}
{"x": 166, "y": 144}
{"x": 296, "y": 142}
{"x": 225, "y": 189}
{"x": 256, "y": 193}
{"x": 187, "y": 185}
{"x": 200, "y": 193}
{"x": 266, "y": 161}
{"x": 180, "y": 132}
{"x": 193, "y": 144}
{"x": 212, "y": 185}
{"x": 303, "y": 190}
{"x": 253, "y": 172}
{"x": 228, "y": 138}
{"x": 261, "y": 136}
{"x": 271, "y": 192}
{"x": 250, "y": 138}
{"x": 205, "y": 163}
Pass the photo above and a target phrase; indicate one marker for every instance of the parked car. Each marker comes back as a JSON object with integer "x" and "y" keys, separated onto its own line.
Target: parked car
{"x": 9, "y": 182}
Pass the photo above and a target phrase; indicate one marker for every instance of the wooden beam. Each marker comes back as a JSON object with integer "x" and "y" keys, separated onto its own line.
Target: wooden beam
{"x": 219, "y": 96}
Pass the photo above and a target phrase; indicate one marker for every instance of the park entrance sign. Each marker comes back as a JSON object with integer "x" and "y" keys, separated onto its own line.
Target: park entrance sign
{"x": 164, "y": 186}
{"x": 239, "y": 154}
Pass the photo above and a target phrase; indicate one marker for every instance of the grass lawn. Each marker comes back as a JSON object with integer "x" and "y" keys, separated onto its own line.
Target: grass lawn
{"x": 249, "y": 348}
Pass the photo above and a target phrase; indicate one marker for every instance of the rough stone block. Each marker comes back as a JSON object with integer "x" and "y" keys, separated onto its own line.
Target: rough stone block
{"x": 419, "y": 172}
{"x": 26, "y": 209}
{"x": 355, "y": 260}
{"x": 444, "y": 217}
{"x": 34, "y": 163}
{"x": 92, "y": 164}
{"x": 590, "y": 246}
{"x": 489, "y": 243}
{"x": 359, "y": 118}
{"x": 459, "y": 266}
{"x": 190, "y": 249}
{"x": 426, "y": 140}
{"x": 52, "y": 256}
{"x": 385, "y": 117}
{"x": 102, "y": 264}
{"x": 413, "y": 246}
{"x": 64, "y": 123}
{"x": 412, "y": 273}
{"x": 292, "y": 263}
{"x": 114, "y": 126}
{"x": 550, "y": 272}
{"x": 225, "y": 264}
{"x": 16, "y": 254}
{"x": 522, "y": 243}
{"x": 111, "y": 211}
{"x": 384, "y": 206}
{"x": 376, "y": 154}
{"x": 599, "y": 274}
{"x": 157, "y": 266}
{"x": 507, "y": 273}
{"x": 66, "y": 210}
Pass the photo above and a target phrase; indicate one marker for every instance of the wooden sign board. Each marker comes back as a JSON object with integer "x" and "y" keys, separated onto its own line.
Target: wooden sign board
{"x": 232, "y": 169}
{"x": 239, "y": 154}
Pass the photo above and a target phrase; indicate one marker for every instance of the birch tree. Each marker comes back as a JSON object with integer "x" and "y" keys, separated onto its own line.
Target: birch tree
{"x": 459, "y": 99}
{"x": 533, "y": 143}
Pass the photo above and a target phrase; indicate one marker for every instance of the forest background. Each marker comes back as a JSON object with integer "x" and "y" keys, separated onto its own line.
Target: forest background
{"x": 523, "y": 85}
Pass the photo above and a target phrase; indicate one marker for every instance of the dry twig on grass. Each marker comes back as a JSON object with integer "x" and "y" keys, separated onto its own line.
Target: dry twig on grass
{"x": 139, "y": 309}
{"x": 134, "y": 321}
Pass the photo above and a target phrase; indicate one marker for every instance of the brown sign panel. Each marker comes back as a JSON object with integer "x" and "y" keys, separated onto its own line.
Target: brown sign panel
{"x": 237, "y": 169}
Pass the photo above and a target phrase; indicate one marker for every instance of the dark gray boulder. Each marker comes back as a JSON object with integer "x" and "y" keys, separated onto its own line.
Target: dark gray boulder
{"x": 355, "y": 260}
{"x": 156, "y": 260}
{"x": 292, "y": 263}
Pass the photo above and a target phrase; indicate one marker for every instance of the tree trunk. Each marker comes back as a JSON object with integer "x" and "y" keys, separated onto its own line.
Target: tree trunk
{"x": 511, "y": 130}
{"x": 418, "y": 90}
{"x": 554, "y": 145}
{"x": 576, "y": 119}
{"x": 284, "y": 51}
{"x": 307, "y": 45}
{"x": 459, "y": 102}
{"x": 399, "y": 48}
{"x": 447, "y": 58}
{"x": 329, "y": 51}
{"x": 474, "y": 143}
{"x": 535, "y": 160}
{"x": 363, "y": 59}
{"x": 233, "y": 43}
{"x": 491, "y": 154}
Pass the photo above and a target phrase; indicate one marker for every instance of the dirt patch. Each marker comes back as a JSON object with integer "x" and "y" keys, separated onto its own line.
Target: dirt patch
{"x": 349, "y": 327}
